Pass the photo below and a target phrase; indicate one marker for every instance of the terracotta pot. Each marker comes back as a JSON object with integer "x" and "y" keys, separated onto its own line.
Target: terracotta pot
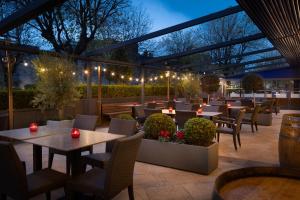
{"x": 289, "y": 141}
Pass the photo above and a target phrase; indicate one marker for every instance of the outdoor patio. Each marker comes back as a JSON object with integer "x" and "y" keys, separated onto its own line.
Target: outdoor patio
{"x": 155, "y": 182}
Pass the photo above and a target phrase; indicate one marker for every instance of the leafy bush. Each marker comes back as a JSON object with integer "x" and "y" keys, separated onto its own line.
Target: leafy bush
{"x": 125, "y": 116}
{"x": 156, "y": 123}
{"x": 22, "y": 99}
{"x": 199, "y": 131}
{"x": 210, "y": 83}
{"x": 252, "y": 83}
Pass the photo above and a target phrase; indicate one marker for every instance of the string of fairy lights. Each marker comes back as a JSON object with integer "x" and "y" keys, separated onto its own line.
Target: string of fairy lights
{"x": 152, "y": 78}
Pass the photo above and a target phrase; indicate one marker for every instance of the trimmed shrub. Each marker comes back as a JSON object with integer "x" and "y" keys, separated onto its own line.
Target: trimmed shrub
{"x": 199, "y": 131}
{"x": 125, "y": 116}
{"x": 156, "y": 123}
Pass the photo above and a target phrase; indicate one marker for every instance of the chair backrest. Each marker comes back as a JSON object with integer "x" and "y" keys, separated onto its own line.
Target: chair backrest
{"x": 183, "y": 99}
{"x": 171, "y": 104}
{"x": 195, "y": 107}
{"x": 216, "y": 102}
{"x": 121, "y": 165}
{"x": 138, "y": 111}
{"x": 13, "y": 181}
{"x": 183, "y": 106}
{"x": 182, "y": 116}
{"x": 121, "y": 127}
{"x": 255, "y": 113}
{"x": 151, "y": 105}
{"x": 211, "y": 108}
{"x": 224, "y": 110}
{"x": 247, "y": 102}
{"x": 86, "y": 122}
{"x": 239, "y": 120}
{"x": 149, "y": 112}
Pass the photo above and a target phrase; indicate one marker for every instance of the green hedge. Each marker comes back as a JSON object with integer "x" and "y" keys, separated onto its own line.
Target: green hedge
{"x": 112, "y": 91}
{"x": 22, "y": 98}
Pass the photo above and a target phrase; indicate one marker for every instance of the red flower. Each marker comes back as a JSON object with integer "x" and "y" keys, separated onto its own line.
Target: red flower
{"x": 164, "y": 134}
{"x": 180, "y": 135}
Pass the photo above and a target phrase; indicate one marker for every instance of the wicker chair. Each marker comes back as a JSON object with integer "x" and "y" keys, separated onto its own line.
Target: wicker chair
{"x": 116, "y": 126}
{"x": 253, "y": 119}
{"x": 149, "y": 112}
{"x": 15, "y": 184}
{"x": 182, "y": 116}
{"x": 107, "y": 183}
{"x": 84, "y": 122}
{"x": 233, "y": 127}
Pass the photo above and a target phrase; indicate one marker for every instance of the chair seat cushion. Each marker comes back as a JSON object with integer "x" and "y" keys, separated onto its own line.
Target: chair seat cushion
{"x": 224, "y": 130}
{"x": 45, "y": 180}
{"x": 97, "y": 159}
{"x": 89, "y": 182}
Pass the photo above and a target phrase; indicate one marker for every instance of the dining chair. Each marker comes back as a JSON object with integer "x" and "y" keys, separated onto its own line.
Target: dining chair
{"x": 14, "y": 182}
{"x": 149, "y": 112}
{"x": 182, "y": 116}
{"x": 116, "y": 126}
{"x": 183, "y": 106}
{"x": 139, "y": 114}
{"x": 151, "y": 105}
{"x": 253, "y": 118}
{"x": 211, "y": 108}
{"x": 84, "y": 122}
{"x": 109, "y": 182}
{"x": 233, "y": 127}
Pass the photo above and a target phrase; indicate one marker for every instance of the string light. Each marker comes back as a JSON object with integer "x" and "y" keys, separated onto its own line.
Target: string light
{"x": 130, "y": 78}
{"x": 142, "y": 80}
{"x": 73, "y": 73}
{"x": 104, "y": 69}
{"x": 95, "y": 68}
{"x": 43, "y": 69}
{"x": 113, "y": 73}
{"x": 173, "y": 76}
{"x": 161, "y": 77}
{"x": 150, "y": 79}
{"x": 25, "y": 63}
{"x": 204, "y": 73}
{"x": 122, "y": 77}
{"x": 155, "y": 78}
{"x": 86, "y": 72}
{"x": 167, "y": 74}
{"x": 137, "y": 80}
{"x": 178, "y": 78}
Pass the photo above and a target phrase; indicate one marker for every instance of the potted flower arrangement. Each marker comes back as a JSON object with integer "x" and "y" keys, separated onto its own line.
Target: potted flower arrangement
{"x": 191, "y": 149}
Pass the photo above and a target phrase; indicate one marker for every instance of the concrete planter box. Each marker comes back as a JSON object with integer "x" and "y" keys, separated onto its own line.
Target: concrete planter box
{"x": 264, "y": 119}
{"x": 199, "y": 159}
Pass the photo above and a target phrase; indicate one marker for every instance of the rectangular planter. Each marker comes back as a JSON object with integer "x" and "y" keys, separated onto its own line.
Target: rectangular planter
{"x": 199, "y": 159}
{"x": 264, "y": 119}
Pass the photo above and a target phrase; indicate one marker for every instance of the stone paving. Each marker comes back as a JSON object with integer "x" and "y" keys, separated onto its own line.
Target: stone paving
{"x": 155, "y": 182}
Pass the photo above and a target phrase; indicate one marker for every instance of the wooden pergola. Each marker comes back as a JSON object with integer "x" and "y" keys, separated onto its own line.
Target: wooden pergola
{"x": 275, "y": 19}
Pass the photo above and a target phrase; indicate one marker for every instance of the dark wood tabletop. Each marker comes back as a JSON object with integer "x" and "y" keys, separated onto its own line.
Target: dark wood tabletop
{"x": 25, "y": 134}
{"x": 209, "y": 114}
{"x": 65, "y": 142}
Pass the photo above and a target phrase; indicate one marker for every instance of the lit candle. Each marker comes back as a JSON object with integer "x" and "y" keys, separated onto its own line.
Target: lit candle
{"x": 75, "y": 133}
{"x": 228, "y": 105}
{"x": 33, "y": 127}
{"x": 199, "y": 110}
{"x": 170, "y": 109}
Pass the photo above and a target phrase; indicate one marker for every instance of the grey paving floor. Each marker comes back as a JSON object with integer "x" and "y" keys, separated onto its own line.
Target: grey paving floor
{"x": 155, "y": 182}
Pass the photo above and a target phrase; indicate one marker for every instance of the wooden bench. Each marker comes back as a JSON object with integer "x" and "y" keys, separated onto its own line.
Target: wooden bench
{"x": 112, "y": 110}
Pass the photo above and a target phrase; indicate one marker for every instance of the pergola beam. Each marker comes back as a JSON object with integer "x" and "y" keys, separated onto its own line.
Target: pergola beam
{"x": 250, "y": 38}
{"x": 27, "y": 13}
{"x": 194, "y": 22}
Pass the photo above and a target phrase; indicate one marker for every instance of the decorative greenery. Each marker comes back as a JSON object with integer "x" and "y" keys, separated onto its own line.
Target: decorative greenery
{"x": 56, "y": 87}
{"x": 125, "y": 116}
{"x": 252, "y": 83}
{"x": 210, "y": 83}
{"x": 199, "y": 131}
{"x": 156, "y": 123}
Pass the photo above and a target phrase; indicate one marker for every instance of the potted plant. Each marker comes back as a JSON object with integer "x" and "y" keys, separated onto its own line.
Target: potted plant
{"x": 56, "y": 85}
{"x": 191, "y": 149}
{"x": 252, "y": 83}
{"x": 210, "y": 84}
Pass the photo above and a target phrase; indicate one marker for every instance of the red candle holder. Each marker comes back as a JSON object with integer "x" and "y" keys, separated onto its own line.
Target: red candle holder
{"x": 170, "y": 110}
{"x": 199, "y": 110}
{"x": 33, "y": 127}
{"x": 75, "y": 133}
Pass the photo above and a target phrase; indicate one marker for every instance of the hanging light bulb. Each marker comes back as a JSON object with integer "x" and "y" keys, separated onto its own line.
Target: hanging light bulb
{"x": 122, "y": 77}
{"x": 113, "y": 73}
{"x": 104, "y": 69}
{"x": 25, "y": 63}
{"x": 161, "y": 77}
{"x": 86, "y": 72}
{"x": 43, "y": 69}
{"x": 142, "y": 80}
{"x": 167, "y": 74}
{"x": 130, "y": 78}
{"x": 150, "y": 79}
{"x": 95, "y": 68}
{"x": 155, "y": 78}
{"x": 173, "y": 76}
{"x": 73, "y": 73}
{"x": 137, "y": 80}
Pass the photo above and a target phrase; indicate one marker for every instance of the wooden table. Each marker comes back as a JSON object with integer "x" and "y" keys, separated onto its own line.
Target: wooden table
{"x": 60, "y": 139}
{"x": 72, "y": 147}
{"x": 208, "y": 114}
{"x": 237, "y": 107}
